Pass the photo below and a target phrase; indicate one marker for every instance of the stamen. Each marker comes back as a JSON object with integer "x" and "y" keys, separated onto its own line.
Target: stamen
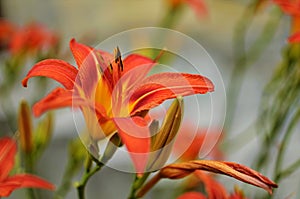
{"x": 118, "y": 59}
{"x": 110, "y": 68}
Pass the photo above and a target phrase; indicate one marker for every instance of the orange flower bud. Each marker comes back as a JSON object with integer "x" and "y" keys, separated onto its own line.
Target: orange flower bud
{"x": 25, "y": 127}
{"x": 240, "y": 172}
{"x": 237, "y": 171}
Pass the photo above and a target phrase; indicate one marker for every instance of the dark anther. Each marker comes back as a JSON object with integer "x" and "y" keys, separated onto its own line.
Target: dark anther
{"x": 111, "y": 67}
{"x": 118, "y": 59}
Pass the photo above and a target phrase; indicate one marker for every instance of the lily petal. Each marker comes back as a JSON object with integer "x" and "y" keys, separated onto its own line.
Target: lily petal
{"x": 23, "y": 181}
{"x": 61, "y": 98}
{"x": 89, "y": 77}
{"x": 28, "y": 180}
{"x": 6, "y": 189}
{"x": 8, "y": 149}
{"x": 79, "y": 51}
{"x": 136, "y": 67}
{"x": 135, "y": 134}
{"x": 91, "y": 67}
{"x": 58, "y": 98}
{"x": 135, "y": 60}
{"x": 160, "y": 87}
{"x": 59, "y": 70}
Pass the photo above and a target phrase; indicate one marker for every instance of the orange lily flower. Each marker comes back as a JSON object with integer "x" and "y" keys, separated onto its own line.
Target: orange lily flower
{"x": 8, "y": 184}
{"x": 114, "y": 94}
{"x": 32, "y": 38}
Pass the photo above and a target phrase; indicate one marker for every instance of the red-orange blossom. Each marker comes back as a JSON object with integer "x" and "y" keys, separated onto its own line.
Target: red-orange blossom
{"x": 114, "y": 94}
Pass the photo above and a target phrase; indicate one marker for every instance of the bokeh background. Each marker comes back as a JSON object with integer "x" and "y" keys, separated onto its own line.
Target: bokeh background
{"x": 92, "y": 21}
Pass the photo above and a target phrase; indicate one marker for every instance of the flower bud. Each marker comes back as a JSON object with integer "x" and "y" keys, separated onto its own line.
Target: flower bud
{"x": 25, "y": 127}
{"x": 43, "y": 132}
{"x": 237, "y": 171}
{"x": 112, "y": 145}
{"x": 162, "y": 141}
{"x": 77, "y": 151}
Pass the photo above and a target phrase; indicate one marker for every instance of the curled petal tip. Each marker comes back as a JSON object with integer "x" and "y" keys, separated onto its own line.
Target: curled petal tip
{"x": 24, "y": 82}
{"x": 72, "y": 42}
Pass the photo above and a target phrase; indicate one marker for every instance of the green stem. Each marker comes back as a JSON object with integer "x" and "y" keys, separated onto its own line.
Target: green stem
{"x": 77, "y": 153}
{"x": 153, "y": 181}
{"x": 66, "y": 180}
{"x": 171, "y": 16}
{"x": 29, "y": 168}
{"x": 246, "y": 58}
{"x": 284, "y": 142}
{"x": 137, "y": 184}
{"x": 31, "y": 193}
{"x": 278, "y": 173}
{"x": 288, "y": 171}
{"x": 110, "y": 149}
{"x": 240, "y": 62}
{"x": 276, "y": 107}
{"x": 88, "y": 174}
{"x": 8, "y": 109}
{"x": 11, "y": 71}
